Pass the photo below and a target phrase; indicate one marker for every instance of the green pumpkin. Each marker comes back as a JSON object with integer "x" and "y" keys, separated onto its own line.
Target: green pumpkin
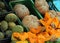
{"x": 18, "y": 28}
{"x": 4, "y": 25}
{"x": 11, "y": 17}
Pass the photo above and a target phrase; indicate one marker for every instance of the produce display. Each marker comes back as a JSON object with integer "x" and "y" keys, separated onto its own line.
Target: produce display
{"x": 25, "y": 14}
{"x": 9, "y": 25}
{"x": 43, "y": 7}
{"x": 48, "y": 30}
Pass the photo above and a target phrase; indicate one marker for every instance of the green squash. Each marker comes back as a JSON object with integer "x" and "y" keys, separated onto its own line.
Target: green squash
{"x": 4, "y": 25}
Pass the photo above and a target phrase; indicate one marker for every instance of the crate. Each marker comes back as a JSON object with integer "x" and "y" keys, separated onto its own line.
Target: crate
{"x": 29, "y": 5}
{"x": 18, "y": 22}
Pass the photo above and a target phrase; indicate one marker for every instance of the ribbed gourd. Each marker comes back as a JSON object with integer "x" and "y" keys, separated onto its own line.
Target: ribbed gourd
{"x": 11, "y": 17}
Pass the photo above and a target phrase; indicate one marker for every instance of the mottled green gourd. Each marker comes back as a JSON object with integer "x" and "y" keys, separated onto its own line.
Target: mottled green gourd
{"x": 4, "y": 25}
{"x": 18, "y": 28}
{"x": 11, "y": 25}
{"x": 2, "y": 5}
{"x": 1, "y": 35}
{"x": 8, "y": 32}
{"x": 11, "y": 17}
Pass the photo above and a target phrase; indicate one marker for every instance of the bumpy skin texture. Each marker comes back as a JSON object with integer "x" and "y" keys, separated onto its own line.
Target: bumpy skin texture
{"x": 21, "y": 10}
{"x": 1, "y": 35}
{"x": 30, "y": 21}
{"x": 4, "y": 25}
{"x": 11, "y": 17}
{"x": 17, "y": 28}
{"x": 42, "y": 6}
